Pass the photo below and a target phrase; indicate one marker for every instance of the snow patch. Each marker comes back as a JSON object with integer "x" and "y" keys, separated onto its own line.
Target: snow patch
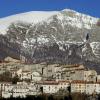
{"x": 30, "y": 17}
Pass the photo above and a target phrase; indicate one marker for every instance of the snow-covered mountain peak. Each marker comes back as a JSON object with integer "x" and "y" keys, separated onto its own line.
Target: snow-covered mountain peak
{"x": 65, "y": 16}
{"x": 68, "y": 10}
{"x": 77, "y": 19}
{"x": 30, "y": 17}
{"x": 55, "y": 36}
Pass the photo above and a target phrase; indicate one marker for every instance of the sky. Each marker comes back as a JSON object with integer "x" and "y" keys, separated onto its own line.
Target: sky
{"x": 11, "y": 7}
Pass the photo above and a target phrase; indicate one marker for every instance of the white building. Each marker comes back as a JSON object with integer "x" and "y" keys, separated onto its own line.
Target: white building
{"x": 53, "y": 86}
{"x": 90, "y": 88}
{"x": 58, "y": 76}
{"x": 20, "y": 91}
{"x": 36, "y": 76}
{"x": 78, "y": 86}
{"x": 93, "y": 88}
{"x": 25, "y": 75}
{"x": 97, "y": 88}
{"x": 29, "y": 75}
{"x": 10, "y": 90}
{"x": 98, "y": 78}
{"x": 85, "y": 87}
{"x": 6, "y": 89}
{"x": 63, "y": 84}
{"x": 33, "y": 89}
{"x": 90, "y": 75}
{"x": 49, "y": 87}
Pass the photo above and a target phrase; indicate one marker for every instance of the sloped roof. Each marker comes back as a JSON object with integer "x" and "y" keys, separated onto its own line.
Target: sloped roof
{"x": 10, "y": 59}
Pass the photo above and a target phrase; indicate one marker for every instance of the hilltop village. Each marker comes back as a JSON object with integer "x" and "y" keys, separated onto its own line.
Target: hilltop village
{"x": 22, "y": 80}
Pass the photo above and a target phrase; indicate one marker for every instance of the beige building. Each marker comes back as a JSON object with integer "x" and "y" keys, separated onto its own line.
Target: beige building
{"x": 90, "y": 88}
{"x": 29, "y": 75}
{"x": 97, "y": 87}
{"x": 98, "y": 78}
{"x": 85, "y": 87}
{"x": 21, "y": 89}
{"x": 63, "y": 85}
{"x": 78, "y": 86}
{"x": 49, "y": 87}
{"x": 72, "y": 72}
{"x": 36, "y": 76}
{"x": 90, "y": 75}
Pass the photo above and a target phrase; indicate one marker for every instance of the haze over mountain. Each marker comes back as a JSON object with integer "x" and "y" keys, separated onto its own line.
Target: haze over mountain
{"x": 54, "y": 37}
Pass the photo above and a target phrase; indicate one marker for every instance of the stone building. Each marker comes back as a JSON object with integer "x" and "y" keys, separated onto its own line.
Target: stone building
{"x": 29, "y": 75}
{"x": 91, "y": 88}
{"x": 78, "y": 86}
{"x": 90, "y": 75}
{"x": 98, "y": 78}
{"x": 85, "y": 87}
{"x": 48, "y": 87}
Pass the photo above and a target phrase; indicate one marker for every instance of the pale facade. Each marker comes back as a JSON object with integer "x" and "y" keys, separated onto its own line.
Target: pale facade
{"x": 20, "y": 90}
{"x": 85, "y": 87}
{"x": 53, "y": 86}
{"x": 29, "y": 75}
{"x": 90, "y": 88}
{"x": 35, "y": 76}
{"x": 97, "y": 88}
{"x": 78, "y": 87}
{"x": 98, "y": 78}
{"x": 25, "y": 75}
{"x": 90, "y": 75}
{"x": 63, "y": 84}
{"x": 6, "y": 90}
{"x": 49, "y": 87}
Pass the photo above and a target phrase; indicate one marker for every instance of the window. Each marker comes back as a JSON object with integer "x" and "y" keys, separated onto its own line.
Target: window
{"x": 80, "y": 86}
{"x": 55, "y": 87}
{"x": 49, "y": 88}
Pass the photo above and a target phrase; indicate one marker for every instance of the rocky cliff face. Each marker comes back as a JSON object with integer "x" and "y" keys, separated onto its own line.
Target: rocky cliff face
{"x": 61, "y": 38}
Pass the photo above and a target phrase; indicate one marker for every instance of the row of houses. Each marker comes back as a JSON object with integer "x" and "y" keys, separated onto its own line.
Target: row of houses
{"x": 23, "y": 89}
{"x": 62, "y": 79}
{"x": 55, "y": 72}
{"x": 65, "y": 72}
{"x": 75, "y": 86}
{"x": 50, "y": 71}
{"x": 85, "y": 87}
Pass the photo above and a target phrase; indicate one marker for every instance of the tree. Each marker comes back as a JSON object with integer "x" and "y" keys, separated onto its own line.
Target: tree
{"x": 5, "y": 77}
{"x": 69, "y": 89}
{"x": 15, "y": 79}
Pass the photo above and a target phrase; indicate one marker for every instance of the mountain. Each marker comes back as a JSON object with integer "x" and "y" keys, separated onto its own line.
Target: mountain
{"x": 31, "y": 17}
{"x": 55, "y": 37}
